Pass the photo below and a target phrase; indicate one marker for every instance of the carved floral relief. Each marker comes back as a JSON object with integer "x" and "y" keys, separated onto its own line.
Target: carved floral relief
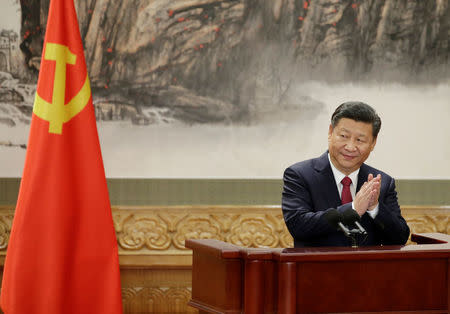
{"x": 158, "y": 229}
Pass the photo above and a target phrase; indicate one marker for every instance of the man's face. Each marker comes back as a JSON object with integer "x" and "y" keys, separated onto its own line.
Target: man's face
{"x": 349, "y": 144}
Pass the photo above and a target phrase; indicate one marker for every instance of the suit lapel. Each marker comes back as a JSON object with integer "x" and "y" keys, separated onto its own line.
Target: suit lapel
{"x": 326, "y": 181}
{"x": 362, "y": 177}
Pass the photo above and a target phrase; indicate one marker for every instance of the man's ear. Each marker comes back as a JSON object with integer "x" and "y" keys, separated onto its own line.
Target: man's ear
{"x": 374, "y": 143}
{"x": 330, "y": 130}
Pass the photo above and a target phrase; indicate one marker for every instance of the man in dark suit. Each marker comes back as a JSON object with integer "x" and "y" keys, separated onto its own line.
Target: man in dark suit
{"x": 340, "y": 180}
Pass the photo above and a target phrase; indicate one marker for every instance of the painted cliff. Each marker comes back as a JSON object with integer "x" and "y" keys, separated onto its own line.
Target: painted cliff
{"x": 221, "y": 61}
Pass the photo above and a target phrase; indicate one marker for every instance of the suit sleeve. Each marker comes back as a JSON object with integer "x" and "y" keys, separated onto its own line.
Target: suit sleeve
{"x": 391, "y": 225}
{"x": 302, "y": 220}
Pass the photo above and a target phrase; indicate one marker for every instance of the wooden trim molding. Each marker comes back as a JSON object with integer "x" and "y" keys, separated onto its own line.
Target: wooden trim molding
{"x": 155, "y": 265}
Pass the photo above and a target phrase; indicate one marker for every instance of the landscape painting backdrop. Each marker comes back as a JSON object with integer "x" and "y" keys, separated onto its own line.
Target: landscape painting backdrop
{"x": 241, "y": 88}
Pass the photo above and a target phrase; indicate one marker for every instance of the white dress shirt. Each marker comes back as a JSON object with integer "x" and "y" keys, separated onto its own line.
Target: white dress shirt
{"x": 338, "y": 176}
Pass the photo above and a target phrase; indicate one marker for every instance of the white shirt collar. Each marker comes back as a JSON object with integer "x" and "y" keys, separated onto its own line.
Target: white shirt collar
{"x": 338, "y": 176}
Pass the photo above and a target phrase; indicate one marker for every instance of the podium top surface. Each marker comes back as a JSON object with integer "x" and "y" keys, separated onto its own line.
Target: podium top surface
{"x": 429, "y": 244}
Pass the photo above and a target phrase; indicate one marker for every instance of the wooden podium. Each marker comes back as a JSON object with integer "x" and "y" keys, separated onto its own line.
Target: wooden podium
{"x": 228, "y": 279}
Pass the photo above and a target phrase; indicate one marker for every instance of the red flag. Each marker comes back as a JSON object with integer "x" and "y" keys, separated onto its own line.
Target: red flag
{"x": 62, "y": 253}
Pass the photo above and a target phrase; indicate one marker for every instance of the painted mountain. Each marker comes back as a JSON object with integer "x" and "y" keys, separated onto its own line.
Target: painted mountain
{"x": 229, "y": 61}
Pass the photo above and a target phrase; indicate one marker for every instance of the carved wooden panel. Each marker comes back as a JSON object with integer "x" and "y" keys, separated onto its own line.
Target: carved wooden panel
{"x": 166, "y": 228}
{"x": 156, "y": 300}
{"x": 155, "y": 265}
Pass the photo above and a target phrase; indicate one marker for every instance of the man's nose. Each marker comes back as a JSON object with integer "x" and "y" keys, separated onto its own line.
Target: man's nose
{"x": 350, "y": 146}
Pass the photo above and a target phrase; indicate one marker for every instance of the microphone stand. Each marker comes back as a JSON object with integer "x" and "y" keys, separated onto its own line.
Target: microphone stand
{"x": 353, "y": 233}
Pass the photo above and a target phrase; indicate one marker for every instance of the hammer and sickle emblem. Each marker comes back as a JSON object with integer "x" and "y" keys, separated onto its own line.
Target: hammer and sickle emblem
{"x": 57, "y": 112}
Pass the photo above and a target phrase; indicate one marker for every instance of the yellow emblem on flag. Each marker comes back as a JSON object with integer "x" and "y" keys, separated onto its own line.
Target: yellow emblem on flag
{"x": 57, "y": 112}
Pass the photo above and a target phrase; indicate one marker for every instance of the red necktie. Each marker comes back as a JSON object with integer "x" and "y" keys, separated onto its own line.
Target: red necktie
{"x": 346, "y": 196}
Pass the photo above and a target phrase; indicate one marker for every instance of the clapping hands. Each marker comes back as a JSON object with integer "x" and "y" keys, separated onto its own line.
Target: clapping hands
{"x": 367, "y": 197}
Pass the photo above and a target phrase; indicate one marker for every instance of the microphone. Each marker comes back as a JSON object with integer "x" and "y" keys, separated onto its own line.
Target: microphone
{"x": 350, "y": 216}
{"x": 335, "y": 218}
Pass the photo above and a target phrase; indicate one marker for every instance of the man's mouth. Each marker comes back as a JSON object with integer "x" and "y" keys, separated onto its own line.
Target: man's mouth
{"x": 348, "y": 157}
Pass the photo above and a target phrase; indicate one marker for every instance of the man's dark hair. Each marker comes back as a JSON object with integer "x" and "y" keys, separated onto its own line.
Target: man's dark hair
{"x": 357, "y": 111}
